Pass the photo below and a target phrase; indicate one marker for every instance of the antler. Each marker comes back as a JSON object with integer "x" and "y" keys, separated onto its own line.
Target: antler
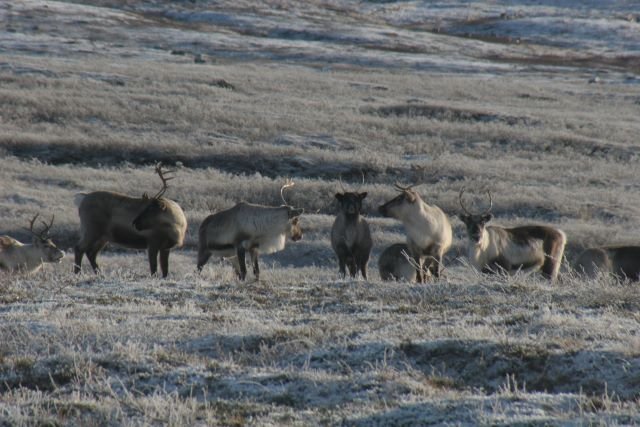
{"x": 340, "y": 181}
{"x": 403, "y": 188}
{"x": 47, "y": 227}
{"x": 42, "y": 234}
{"x": 342, "y": 186}
{"x": 33, "y": 220}
{"x": 465, "y": 209}
{"x": 164, "y": 179}
{"x": 287, "y": 184}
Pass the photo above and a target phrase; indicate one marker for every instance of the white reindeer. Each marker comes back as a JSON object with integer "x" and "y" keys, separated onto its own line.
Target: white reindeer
{"x": 429, "y": 233}
{"x": 248, "y": 227}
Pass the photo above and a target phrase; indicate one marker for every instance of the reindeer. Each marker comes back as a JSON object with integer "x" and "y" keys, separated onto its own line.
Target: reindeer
{"x": 28, "y": 258}
{"x": 154, "y": 223}
{"x": 248, "y": 227}
{"x": 394, "y": 264}
{"x": 622, "y": 262}
{"x": 526, "y": 248}
{"x": 429, "y": 233}
{"x": 350, "y": 235}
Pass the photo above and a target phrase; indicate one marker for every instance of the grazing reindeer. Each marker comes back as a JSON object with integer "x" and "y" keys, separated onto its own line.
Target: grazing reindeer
{"x": 394, "y": 265}
{"x": 18, "y": 257}
{"x": 248, "y": 227}
{"x": 620, "y": 261}
{"x": 429, "y": 234}
{"x": 154, "y": 223}
{"x": 350, "y": 235}
{"x": 528, "y": 248}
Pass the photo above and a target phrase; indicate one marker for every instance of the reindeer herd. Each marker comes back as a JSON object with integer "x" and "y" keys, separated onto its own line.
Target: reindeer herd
{"x": 158, "y": 224}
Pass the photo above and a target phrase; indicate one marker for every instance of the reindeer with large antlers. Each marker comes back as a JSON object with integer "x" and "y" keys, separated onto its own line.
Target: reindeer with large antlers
{"x": 494, "y": 249}
{"x": 154, "y": 223}
{"x": 428, "y": 229}
{"x": 28, "y": 258}
{"x": 248, "y": 227}
{"x": 350, "y": 235}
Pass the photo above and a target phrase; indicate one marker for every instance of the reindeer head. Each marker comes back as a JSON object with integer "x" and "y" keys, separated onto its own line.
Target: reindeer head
{"x": 397, "y": 207}
{"x": 351, "y": 202}
{"x": 475, "y": 222}
{"x": 41, "y": 240}
{"x": 156, "y": 205}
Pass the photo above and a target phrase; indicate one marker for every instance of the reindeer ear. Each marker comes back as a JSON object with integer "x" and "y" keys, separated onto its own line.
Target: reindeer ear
{"x": 411, "y": 196}
{"x": 295, "y": 212}
{"x": 362, "y": 195}
{"x": 145, "y": 196}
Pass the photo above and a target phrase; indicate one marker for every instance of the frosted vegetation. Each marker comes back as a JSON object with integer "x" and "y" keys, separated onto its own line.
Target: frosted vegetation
{"x": 536, "y": 101}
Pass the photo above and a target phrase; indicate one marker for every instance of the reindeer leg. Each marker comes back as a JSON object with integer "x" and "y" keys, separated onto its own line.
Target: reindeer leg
{"x": 353, "y": 270}
{"x": 343, "y": 253}
{"x": 435, "y": 264}
{"x": 241, "y": 260}
{"x": 420, "y": 277}
{"x": 363, "y": 269}
{"x": 254, "y": 261}
{"x": 164, "y": 262}
{"x": 79, "y": 253}
{"x": 153, "y": 259}
{"x": 92, "y": 254}
{"x": 342, "y": 267}
{"x": 203, "y": 257}
{"x": 236, "y": 265}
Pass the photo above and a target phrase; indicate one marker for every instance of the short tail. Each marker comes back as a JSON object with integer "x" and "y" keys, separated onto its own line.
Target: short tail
{"x": 78, "y": 198}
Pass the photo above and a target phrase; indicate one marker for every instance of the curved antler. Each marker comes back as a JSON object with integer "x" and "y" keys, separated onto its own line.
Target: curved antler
{"x": 465, "y": 209}
{"x": 461, "y": 203}
{"x": 31, "y": 222}
{"x": 47, "y": 227}
{"x": 164, "y": 179}
{"x": 287, "y": 184}
{"x": 340, "y": 182}
{"x": 403, "y": 188}
{"x": 490, "y": 204}
{"x": 45, "y": 231}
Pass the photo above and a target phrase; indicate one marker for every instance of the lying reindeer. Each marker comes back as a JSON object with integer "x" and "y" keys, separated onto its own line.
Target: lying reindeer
{"x": 620, "y": 261}
{"x": 493, "y": 249}
{"x": 154, "y": 223}
{"x": 28, "y": 258}
{"x": 394, "y": 264}
{"x": 350, "y": 235}
{"x": 248, "y": 227}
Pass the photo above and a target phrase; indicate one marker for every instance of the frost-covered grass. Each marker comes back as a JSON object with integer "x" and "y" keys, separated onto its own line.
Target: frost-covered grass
{"x": 92, "y": 96}
{"x": 302, "y": 347}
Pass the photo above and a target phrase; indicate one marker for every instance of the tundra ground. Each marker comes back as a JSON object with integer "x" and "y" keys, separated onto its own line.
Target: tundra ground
{"x": 238, "y": 99}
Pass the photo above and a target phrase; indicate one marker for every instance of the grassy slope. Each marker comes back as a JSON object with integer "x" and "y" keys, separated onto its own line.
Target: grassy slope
{"x": 303, "y": 347}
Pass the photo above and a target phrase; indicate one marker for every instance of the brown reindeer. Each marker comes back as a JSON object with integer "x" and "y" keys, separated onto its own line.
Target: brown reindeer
{"x": 394, "y": 264}
{"x": 350, "y": 235}
{"x": 429, "y": 233}
{"x": 154, "y": 223}
{"x": 622, "y": 262}
{"x": 28, "y": 258}
{"x": 528, "y": 248}
{"x": 248, "y": 227}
